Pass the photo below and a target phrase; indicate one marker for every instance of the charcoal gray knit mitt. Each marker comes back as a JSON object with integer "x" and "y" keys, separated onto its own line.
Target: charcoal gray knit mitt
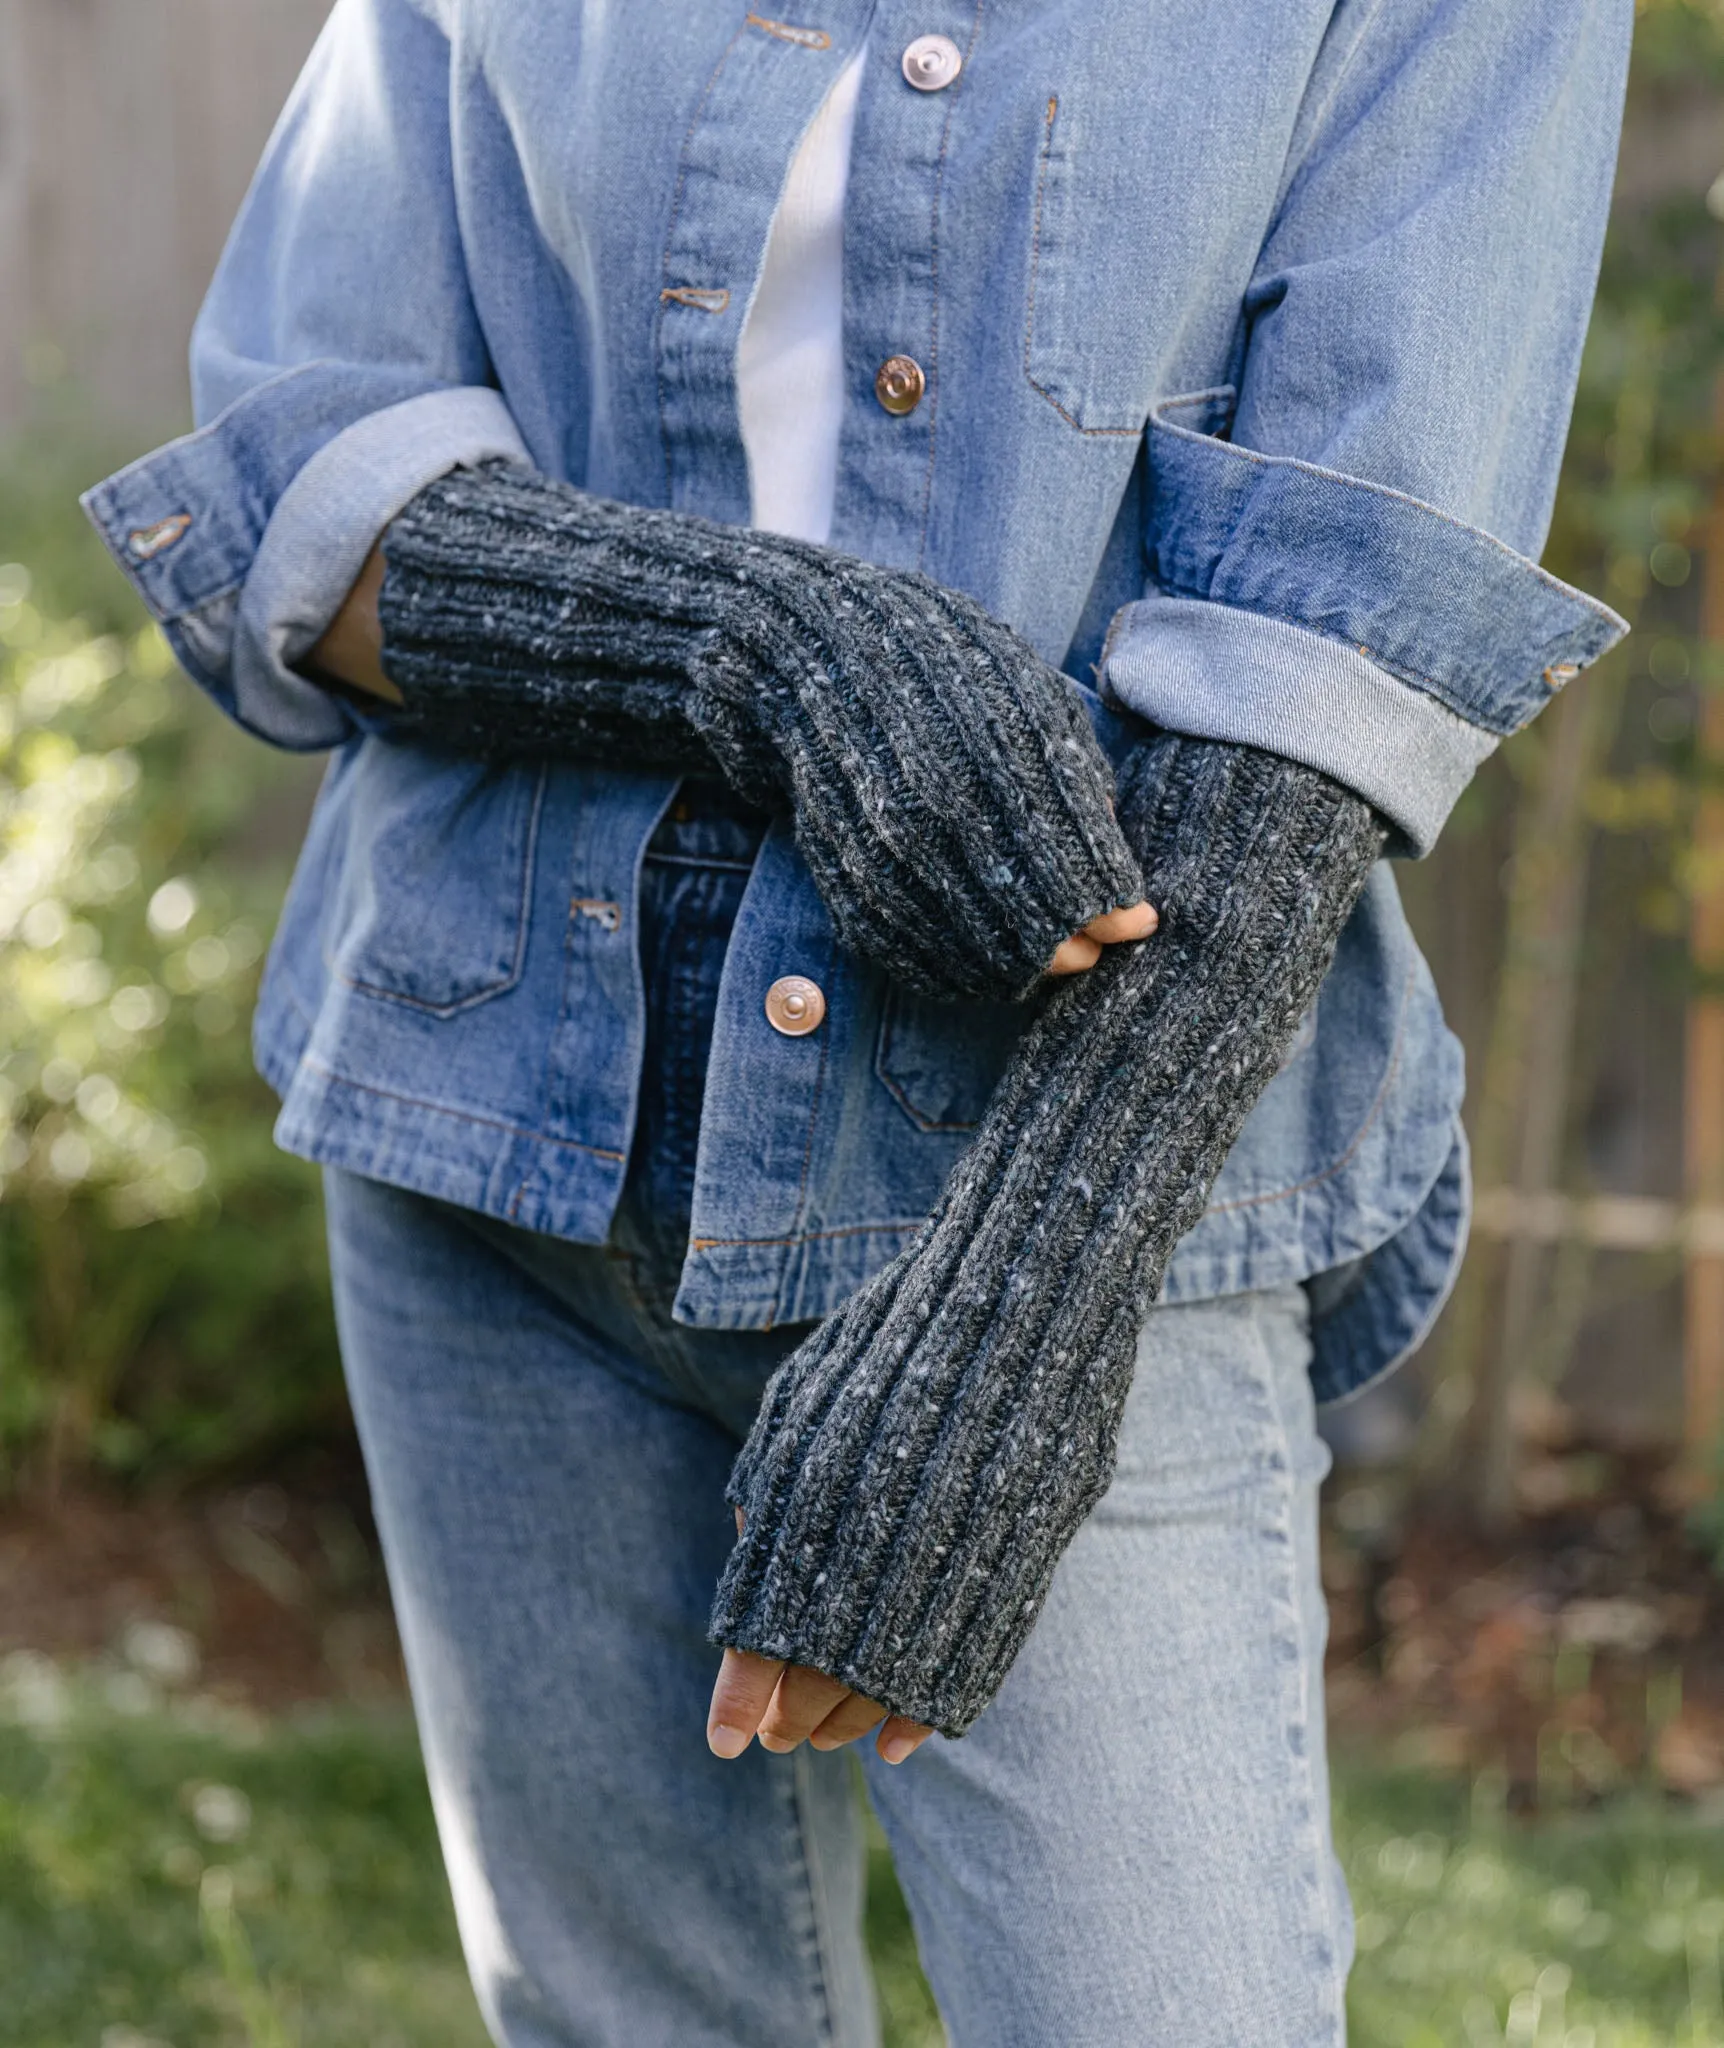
{"x": 949, "y": 795}
{"x": 919, "y": 1465}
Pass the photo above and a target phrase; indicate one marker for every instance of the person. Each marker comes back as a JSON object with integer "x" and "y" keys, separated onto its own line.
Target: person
{"x": 688, "y": 467}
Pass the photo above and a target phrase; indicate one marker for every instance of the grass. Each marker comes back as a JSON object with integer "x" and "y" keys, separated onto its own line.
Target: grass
{"x": 177, "y": 1876}
{"x": 1584, "y": 1931}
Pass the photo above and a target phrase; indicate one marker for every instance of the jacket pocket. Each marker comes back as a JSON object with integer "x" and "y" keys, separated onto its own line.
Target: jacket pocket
{"x": 940, "y": 1061}
{"x": 1083, "y": 349}
{"x": 437, "y": 882}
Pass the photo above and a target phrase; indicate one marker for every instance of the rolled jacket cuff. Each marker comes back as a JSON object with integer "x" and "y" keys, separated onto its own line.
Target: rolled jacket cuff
{"x": 1223, "y": 674}
{"x": 327, "y": 523}
{"x": 1348, "y": 625}
{"x": 243, "y": 544}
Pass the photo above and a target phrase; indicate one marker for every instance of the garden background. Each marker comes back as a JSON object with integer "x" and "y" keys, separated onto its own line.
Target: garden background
{"x": 213, "y": 1827}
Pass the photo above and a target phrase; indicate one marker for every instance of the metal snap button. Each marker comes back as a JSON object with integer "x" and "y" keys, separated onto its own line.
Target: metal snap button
{"x": 932, "y": 62}
{"x": 899, "y": 384}
{"x": 795, "y": 1005}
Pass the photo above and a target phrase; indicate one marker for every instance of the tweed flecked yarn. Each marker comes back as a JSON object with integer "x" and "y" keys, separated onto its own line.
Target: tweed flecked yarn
{"x": 949, "y": 795}
{"x": 920, "y": 1464}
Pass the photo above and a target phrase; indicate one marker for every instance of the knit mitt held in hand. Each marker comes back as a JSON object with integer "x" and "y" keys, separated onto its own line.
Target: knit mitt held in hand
{"x": 919, "y": 1465}
{"x": 949, "y": 795}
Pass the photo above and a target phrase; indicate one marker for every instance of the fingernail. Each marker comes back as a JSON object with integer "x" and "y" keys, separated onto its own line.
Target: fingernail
{"x": 726, "y": 1741}
{"x": 777, "y": 1744}
{"x": 899, "y": 1748}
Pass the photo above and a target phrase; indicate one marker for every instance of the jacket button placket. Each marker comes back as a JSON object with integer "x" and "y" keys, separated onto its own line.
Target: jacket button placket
{"x": 911, "y": 98}
{"x": 769, "y": 81}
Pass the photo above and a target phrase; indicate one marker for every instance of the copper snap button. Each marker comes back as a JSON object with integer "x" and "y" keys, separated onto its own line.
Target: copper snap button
{"x": 932, "y": 62}
{"x": 899, "y": 384}
{"x": 795, "y": 1005}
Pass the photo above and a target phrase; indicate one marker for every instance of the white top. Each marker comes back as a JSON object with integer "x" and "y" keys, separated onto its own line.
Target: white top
{"x": 790, "y": 359}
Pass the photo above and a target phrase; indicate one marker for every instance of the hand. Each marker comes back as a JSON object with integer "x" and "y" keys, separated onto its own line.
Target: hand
{"x": 785, "y": 1704}
{"x": 352, "y": 649}
{"x": 1083, "y": 949}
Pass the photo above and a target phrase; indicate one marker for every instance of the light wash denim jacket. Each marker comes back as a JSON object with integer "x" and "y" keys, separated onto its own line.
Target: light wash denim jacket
{"x": 1250, "y": 333}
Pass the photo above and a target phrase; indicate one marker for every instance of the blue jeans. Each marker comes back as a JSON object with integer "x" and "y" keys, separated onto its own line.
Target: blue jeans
{"x": 1132, "y": 1847}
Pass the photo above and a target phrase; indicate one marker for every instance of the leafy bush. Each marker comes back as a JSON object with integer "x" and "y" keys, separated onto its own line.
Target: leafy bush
{"x": 161, "y": 1270}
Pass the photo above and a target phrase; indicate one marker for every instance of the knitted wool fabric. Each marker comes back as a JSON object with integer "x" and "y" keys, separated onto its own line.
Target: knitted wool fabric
{"x": 919, "y": 1465}
{"x": 949, "y": 795}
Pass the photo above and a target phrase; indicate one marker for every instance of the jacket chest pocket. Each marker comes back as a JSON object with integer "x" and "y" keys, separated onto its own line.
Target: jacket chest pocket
{"x": 1085, "y": 349}
{"x": 940, "y": 1061}
{"x": 437, "y": 882}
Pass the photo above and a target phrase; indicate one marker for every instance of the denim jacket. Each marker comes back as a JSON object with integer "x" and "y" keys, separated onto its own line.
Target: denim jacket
{"x": 1249, "y": 334}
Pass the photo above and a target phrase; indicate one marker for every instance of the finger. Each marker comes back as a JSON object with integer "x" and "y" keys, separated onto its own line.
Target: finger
{"x": 900, "y": 1738}
{"x": 739, "y": 1521}
{"x": 853, "y": 1716}
{"x": 1073, "y": 955}
{"x": 803, "y": 1700}
{"x": 1136, "y": 922}
{"x": 743, "y": 1693}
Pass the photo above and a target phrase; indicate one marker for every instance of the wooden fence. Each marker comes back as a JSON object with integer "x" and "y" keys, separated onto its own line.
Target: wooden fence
{"x": 128, "y": 131}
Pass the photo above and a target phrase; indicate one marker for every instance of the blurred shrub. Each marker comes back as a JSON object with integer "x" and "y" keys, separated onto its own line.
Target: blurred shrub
{"x": 162, "y": 1289}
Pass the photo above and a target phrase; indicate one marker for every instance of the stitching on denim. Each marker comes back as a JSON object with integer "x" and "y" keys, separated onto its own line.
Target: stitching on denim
{"x": 135, "y": 574}
{"x": 708, "y": 863}
{"x": 108, "y": 495}
{"x": 671, "y": 225}
{"x": 1454, "y": 1211}
{"x": 787, "y": 32}
{"x": 919, "y": 1118}
{"x": 1157, "y": 418}
{"x": 807, "y": 1148}
{"x": 1035, "y": 384}
{"x": 933, "y": 380}
{"x": 696, "y": 897}
{"x": 460, "y": 1116}
{"x": 894, "y": 1087}
{"x": 1425, "y": 685}
{"x": 1430, "y": 686}
{"x": 578, "y": 851}
{"x": 1358, "y": 1138}
{"x": 711, "y": 1244}
{"x": 1115, "y": 627}
{"x": 523, "y": 929}
{"x": 703, "y": 298}
{"x": 1284, "y": 1593}
{"x": 809, "y": 1930}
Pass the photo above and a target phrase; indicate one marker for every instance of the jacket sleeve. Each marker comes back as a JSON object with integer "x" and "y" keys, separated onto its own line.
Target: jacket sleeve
{"x": 338, "y": 366}
{"x": 1342, "y": 546}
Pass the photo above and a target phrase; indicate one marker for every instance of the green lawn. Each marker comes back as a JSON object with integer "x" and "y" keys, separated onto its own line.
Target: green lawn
{"x": 172, "y": 1877}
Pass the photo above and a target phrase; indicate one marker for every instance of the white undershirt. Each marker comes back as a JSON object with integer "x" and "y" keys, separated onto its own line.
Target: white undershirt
{"x": 790, "y": 359}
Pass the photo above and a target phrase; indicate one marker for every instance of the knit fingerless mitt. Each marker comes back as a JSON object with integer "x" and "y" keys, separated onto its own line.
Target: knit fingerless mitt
{"x": 919, "y": 1465}
{"x": 949, "y": 795}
